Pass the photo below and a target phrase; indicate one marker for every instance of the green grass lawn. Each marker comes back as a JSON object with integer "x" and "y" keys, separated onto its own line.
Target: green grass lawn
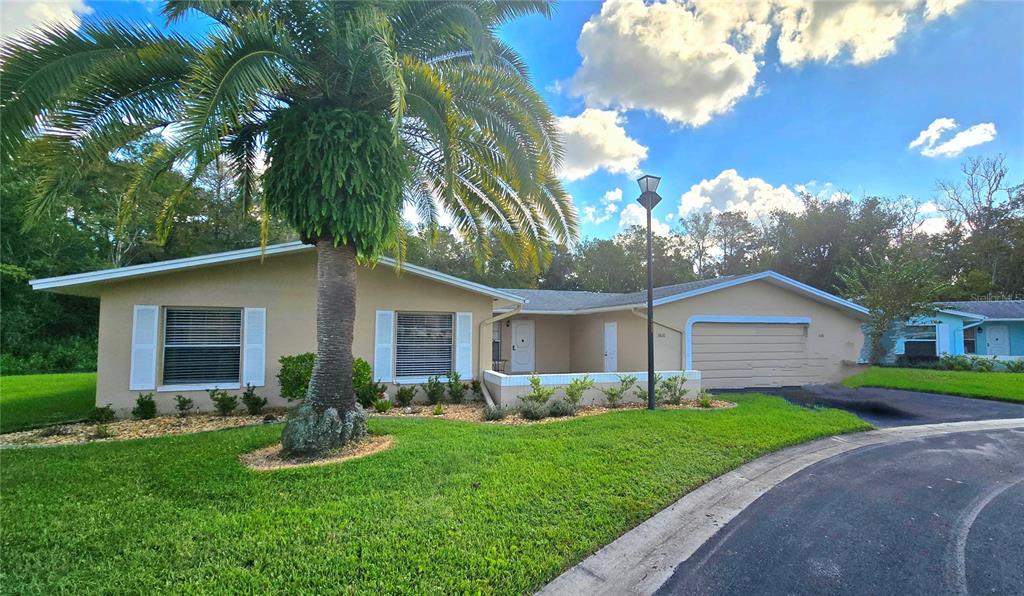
{"x": 31, "y": 401}
{"x": 452, "y": 507}
{"x": 990, "y": 385}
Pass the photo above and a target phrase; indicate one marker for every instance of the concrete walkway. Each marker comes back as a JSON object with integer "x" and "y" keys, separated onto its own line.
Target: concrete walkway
{"x": 644, "y": 559}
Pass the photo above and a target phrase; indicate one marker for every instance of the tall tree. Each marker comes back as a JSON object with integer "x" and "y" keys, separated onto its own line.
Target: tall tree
{"x": 735, "y": 236}
{"x": 360, "y": 106}
{"x": 698, "y": 233}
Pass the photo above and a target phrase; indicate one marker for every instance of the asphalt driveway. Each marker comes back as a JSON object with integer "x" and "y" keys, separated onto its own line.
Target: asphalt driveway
{"x": 893, "y": 407}
{"x": 942, "y": 514}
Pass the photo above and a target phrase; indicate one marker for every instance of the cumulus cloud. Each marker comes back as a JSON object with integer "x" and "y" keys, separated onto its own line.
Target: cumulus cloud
{"x": 930, "y": 219}
{"x": 731, "y": 192}
{"x": 929, "y": 139}
{"x": 596, "y": 140}
{"x": 605, "y": 210}
{"x": 16, "y": 17}
{"x": 634, "y": 214}
{"x": 692, "y": 60}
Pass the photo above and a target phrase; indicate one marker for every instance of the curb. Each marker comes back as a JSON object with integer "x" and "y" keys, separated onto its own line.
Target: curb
{"x": 644, "y": 558}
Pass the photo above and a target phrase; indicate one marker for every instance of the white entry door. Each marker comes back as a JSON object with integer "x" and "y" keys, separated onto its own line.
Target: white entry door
{"x": 997, "y": 340}
{"x": 522, "y": 346}
{"x": 611, "y": 347}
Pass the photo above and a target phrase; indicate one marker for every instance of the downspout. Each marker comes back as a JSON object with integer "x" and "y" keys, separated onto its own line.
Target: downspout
{"x": 480, "y": 373}
{"x": 682, "y": 336}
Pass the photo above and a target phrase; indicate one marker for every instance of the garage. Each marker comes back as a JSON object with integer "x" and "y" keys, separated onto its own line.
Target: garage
{"x": 735, "y": 355}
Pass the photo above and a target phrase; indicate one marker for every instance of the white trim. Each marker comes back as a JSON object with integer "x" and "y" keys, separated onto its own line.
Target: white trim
{"x": 418, "y": 380}
{"x": 695, "y": 319}
{"x": 197, "y": 387}
{"x": 960, "y": 313}
{"x": 247, "y": 254}
{"x": 765, "y": 275}
{"x": 523, "y": 380}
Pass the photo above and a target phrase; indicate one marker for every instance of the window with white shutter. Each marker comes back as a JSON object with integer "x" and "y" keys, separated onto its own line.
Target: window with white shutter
{"x": 202, "y": 346}
{"x": 424, "y": 344}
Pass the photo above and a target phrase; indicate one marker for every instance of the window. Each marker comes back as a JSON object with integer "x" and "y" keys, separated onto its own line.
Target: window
{"x": 496, "y": 342}
{"x": 202, "y": 346}
{"x": 424, "y": 344}
{"x": 919, "y": 340}
{"x": 970, "y": 341}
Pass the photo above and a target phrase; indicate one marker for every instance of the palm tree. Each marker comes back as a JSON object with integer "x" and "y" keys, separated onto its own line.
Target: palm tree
{"x": 358, "y": 107}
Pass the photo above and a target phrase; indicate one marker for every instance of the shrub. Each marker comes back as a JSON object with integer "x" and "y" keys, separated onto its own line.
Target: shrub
{"x": 438, "y": 409}
{"x": 532, "y": 410}
{"x": 478, "y": 388}
{"x": 382, "y": 406}
{"x": 574, "y": 391}
{"x": 961, "y": 363}
{"x": 671, "y": 391}
{"x": 558, "y": 409}
{"x": 295, "y": 374}
{"x": 983, "y": 364}
{"x": 41, "y": 356}
{"x": 494, "y": 412}
{"x": 434, "y": 390}
{"x": 102, "y": 431}
{"x": 223, "y": 402}
{"x": 183, "y": 405}
{"x": 145, "y": 407}
{"x": 641, "y": 389}
{"x": 615, "y": 394}
{"x": 456, "y": 390}
{"x": 253, "y": 403}
{"x": 1014, "y": 366}
{"x": 539, "y": 394}
{"x": 370, "y": 392}
{"x": 704, "y": 399}
{"x": 101, "y": 414}
{"x": 405, "y": 395}
{"x": 362, "y": 373}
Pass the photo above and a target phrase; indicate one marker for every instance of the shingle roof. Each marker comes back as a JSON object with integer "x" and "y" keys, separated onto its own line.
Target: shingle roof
{"x": 991, "y": 309}
{"x": 571, "y": 300}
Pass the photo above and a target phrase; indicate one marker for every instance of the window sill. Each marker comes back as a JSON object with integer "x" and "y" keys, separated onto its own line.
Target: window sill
{"x": 197, "y": 387}
{"x": 417, "y": 380}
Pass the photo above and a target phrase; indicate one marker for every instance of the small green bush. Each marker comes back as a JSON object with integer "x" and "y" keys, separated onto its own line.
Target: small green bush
{"x": 539, "y": 394}
{"x": 456, "y": 390}
{"x": 434, "y": 390}
{"x": 494, "y": 413}
{"x": 671, "y": 391}
{"x": 183, "y": 405}
{"x": 641, "y": 388}
{"x": 102, "y": 431}
{"x": 983, "y": 364}
{"x": 381, "y": 406}
{"x": 1014, "y": 366}
{"x": 614, "y": 395}
{"x": 704, "y": 399}
{"x": 145, "y": 407}
{"x": 532, "y": 410}
{"x": 101, "y": 414}
{"x": 575, "y": 389}
{"x": 405, "y": 394}
{"x": 223, "y": 402}
{"x": 253, "y": 403}
{"x": 478, "y": 389}
{"x": 960, "y": 363}
{"x": 438, "y": 410}
{"x": 367, "y": 394}
{"x": 558, "y": 409}
{"x": 295, "y": 374}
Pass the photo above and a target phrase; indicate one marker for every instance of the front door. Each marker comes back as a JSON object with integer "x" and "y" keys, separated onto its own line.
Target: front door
{"x": 997, "y": 342}
{"x": 522, "y": 346}
{"x": 611, "y": 347}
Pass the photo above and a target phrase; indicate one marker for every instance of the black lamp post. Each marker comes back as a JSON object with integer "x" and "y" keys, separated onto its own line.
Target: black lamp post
{"x": 649, "y": 198}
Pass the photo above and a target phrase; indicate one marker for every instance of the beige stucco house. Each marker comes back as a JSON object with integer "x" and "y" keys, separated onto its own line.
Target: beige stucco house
{"x": 224, "y": 320}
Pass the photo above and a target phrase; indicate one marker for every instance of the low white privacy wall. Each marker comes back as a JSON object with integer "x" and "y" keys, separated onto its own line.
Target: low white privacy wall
{"x": 507, "y": 389}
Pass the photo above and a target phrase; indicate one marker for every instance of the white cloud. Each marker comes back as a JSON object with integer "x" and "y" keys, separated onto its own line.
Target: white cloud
{"x": 692, "y": 60}
{"x": 930, "y": 219}
{"x": 19, "y": 16}
{"x": 607, "y": 208}
{"x": 634, "y": 214}
{"x": 596, "y": 139}
{"x": 731, "y": 192}
{"x": 929, "y": 138}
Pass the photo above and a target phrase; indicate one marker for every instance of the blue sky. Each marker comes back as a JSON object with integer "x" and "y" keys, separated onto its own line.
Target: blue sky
{"x": 742, "y": 106}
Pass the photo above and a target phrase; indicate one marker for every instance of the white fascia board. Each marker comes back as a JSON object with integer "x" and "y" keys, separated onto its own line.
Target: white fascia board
{"x": 245, "y": 254}
{"x": 960, "y": 313}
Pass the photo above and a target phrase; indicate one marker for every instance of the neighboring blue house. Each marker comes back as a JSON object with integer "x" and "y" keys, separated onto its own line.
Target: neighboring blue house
{"x": 975, "y": 327}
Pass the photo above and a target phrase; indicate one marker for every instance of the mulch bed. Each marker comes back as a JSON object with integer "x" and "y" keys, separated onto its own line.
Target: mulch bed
{"x": 475, "y": 412}
{"x": 270, "y": 458}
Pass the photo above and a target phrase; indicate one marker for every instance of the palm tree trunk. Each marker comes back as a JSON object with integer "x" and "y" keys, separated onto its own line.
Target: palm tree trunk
{"x": 331, "y": 383}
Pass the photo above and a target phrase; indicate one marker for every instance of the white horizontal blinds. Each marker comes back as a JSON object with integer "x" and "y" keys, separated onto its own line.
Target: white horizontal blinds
{"x": 423, "y": 344}
{"x": 202, "y": 346}
{"x": 254, "y": 356}
{"x": 464, "y": 344}
{"x": 384, "y": 346}
{"x": 145, "y": 323}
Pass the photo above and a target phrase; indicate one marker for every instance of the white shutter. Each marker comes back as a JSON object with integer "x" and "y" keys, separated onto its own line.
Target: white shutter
{"x": 384, "y": 346}
{"x": 254, "y": 355}
{"x": 464, "y": 344}
{"x": 145, "y": 327}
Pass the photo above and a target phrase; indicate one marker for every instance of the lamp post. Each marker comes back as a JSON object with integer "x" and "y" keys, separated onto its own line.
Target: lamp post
{"x": 649, "y": 198}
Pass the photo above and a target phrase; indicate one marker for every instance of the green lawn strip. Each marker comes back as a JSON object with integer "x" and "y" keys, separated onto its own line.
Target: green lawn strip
{"x": 452, "y": 507}
{"x": 31, "y": 401}
{"x": 1001, "y": 386}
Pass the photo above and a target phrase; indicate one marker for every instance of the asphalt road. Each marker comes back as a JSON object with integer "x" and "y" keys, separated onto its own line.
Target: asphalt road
{"x": 940, "y": 515}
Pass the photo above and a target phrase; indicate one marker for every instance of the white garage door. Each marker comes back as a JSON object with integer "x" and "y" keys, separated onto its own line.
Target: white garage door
{"x": 733, "y": 355}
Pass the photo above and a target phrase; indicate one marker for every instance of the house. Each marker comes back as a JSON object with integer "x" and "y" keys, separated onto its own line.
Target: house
{"x": 973, "y": 327}
{"x": 224, "y": 320}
